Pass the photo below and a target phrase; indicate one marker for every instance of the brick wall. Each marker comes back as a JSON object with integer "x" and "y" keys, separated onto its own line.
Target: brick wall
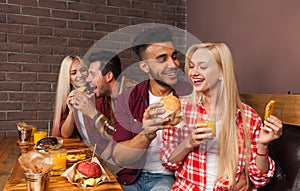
{"x": 36, "y": 34}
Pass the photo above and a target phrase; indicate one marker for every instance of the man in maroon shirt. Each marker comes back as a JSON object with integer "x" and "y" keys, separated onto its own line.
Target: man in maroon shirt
{"x": 138, "y": 133}
{"x": 95, "y": 119}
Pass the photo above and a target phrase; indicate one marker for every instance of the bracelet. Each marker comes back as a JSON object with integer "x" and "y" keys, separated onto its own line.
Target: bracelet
{"x": 97, "y": 117}
{"x": 105, "y": 124}
{"x": 264, "y": 154}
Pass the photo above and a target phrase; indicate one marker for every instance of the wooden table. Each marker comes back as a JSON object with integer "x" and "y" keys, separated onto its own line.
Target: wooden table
{"x": 17, "y": 182}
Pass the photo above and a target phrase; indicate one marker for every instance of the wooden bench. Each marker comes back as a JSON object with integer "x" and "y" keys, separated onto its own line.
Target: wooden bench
{"x": 285, "y": 150}
{"x": 287, "y": 106}
{"x": 9, "y": 153}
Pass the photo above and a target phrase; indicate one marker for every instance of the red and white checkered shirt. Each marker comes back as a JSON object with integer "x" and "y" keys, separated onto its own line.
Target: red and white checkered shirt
{"x": 191, "y": 172}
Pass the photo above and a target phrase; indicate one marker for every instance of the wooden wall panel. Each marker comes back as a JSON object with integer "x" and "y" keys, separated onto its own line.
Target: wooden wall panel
{"x": 287, "y": 107}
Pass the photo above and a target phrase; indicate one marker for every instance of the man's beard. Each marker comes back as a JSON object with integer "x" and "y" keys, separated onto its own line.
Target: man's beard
{"x": 104, "y": 91}
{"x": 101, "y": 94}
{"x": 158, "y": 79}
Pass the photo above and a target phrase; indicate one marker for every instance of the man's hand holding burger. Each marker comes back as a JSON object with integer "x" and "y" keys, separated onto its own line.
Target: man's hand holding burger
{"x": 161, "y": 115}
{"x": 151, "y": 120}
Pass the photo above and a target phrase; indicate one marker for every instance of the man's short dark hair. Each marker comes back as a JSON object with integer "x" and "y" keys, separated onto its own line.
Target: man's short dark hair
{"x": 150, "y": 36}
{"x": 109, "y": 62}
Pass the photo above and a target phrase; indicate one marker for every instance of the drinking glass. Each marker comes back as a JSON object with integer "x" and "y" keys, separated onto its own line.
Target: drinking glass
{"x": 32, "y": 133}
{"x": 59, "y": 159}
{"x": 37, "y": 181}
{"x": 38, "y": 135}
{"x": 210, "y": 122}
{"x": 24, "y": 134}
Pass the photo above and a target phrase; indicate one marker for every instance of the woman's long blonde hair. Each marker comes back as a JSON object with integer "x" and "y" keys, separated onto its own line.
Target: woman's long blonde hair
{"x": 228, "y": 94}
{"x": 63, "y": 89}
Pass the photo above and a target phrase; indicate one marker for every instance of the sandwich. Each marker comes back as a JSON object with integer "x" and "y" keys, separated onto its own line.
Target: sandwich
{"x": 172, "y": 106}
{"x": 88, "y": 173}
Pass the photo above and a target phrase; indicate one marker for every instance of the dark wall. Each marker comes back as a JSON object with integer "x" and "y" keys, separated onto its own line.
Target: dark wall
{"x": 36, "y": 35}
{"x": 263, "y": 37}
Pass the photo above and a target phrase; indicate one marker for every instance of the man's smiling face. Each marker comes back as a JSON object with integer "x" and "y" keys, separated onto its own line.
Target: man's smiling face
{"x": 97, "y": 80}
{"x": 163, "y": 63}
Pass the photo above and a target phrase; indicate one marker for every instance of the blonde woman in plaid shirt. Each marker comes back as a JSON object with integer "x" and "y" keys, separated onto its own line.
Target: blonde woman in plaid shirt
{"x": 204, "y": 161}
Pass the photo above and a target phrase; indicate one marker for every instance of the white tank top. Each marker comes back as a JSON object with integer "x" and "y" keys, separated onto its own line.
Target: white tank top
{"x": 153, "y": 162}
{"x": 212, "y": 161}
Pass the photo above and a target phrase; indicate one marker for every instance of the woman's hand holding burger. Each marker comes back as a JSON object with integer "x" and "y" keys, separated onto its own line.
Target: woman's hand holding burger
{"x": 84, "y": 104}
{"x": 70, "y": 101}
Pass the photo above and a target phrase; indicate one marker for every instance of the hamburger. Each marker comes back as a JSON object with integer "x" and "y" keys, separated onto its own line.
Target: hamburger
{"x": 48, "y": 143}
{"x": 82, "y": 89}
{"x": 88, "y": 173}
{"x": 172, "y": 106}
{"x": 88, "y": 90}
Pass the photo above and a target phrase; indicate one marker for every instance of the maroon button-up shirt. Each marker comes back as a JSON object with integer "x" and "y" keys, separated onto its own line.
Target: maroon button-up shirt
{"x": 129, "y": 109}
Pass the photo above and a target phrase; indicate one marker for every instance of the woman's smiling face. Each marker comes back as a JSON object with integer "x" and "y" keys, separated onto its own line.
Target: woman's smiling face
{"x": 78, "y": 74}
{"x": 203, "y": 71}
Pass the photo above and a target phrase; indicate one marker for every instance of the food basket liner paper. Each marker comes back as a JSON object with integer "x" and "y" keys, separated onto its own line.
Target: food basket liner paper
{"x": 70, "y": 172}
{"x": 36, "y": 162}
